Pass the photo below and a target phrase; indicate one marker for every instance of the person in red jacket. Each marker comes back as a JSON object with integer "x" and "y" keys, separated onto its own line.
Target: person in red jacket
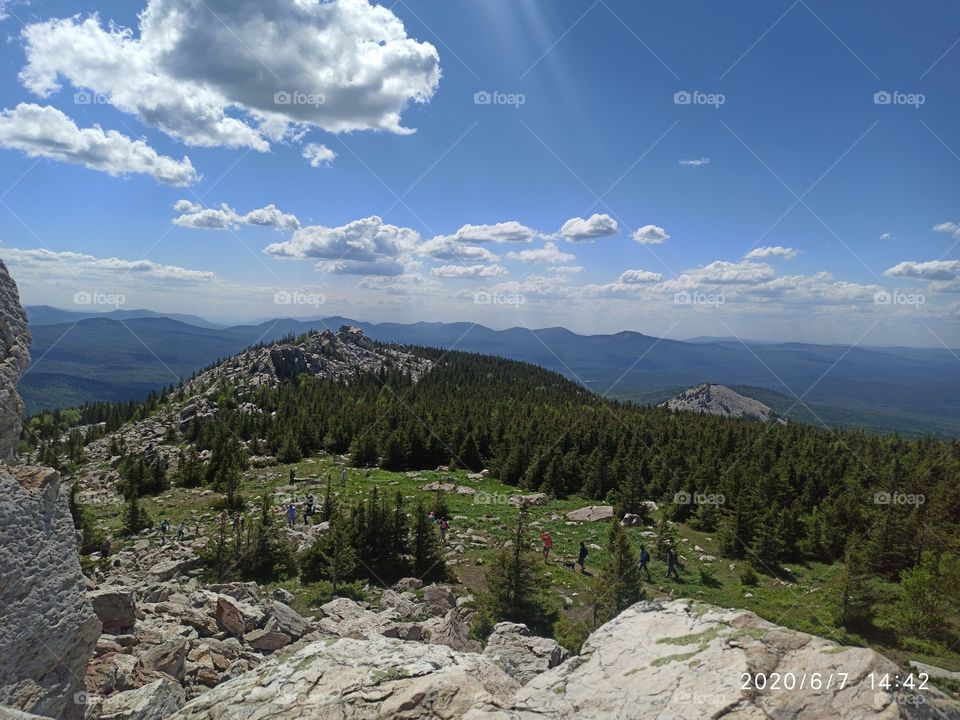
{"x": 547, "y": 546}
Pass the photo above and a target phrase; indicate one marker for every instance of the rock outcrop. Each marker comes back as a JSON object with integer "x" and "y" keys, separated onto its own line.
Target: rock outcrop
{"x": 14, "y": 359}
{"x": 47, "y": 628}
{"x": 721, "y": 400}
{"x": 690, "y": 661}
{"x": 360, "y": 680}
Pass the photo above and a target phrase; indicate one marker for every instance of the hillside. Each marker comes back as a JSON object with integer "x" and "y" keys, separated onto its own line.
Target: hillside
{"x": 914, "y": 392}
{"x": 720, "y": 400}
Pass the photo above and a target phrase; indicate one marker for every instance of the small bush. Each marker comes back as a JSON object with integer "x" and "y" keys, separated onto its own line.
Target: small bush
{"x": 749, "y": 577}
{"x": 571, "y": 633}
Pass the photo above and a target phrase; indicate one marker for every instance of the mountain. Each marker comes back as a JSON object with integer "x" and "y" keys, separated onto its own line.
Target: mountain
{"x": 721, "y": 400}
{"x": 46, "y": 315}
{"x": 907, "y": 390}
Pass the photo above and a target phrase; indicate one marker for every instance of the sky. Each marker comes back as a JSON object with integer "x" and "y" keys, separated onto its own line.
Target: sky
{"x": 778, "y": 170}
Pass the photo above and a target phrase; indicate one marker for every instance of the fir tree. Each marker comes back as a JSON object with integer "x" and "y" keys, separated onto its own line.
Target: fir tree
{"x": 618, "y": 583}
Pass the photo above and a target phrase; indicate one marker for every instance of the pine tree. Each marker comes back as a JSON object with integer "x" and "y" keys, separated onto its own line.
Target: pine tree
{"x": 135, "y": 518}
{"x": 631, "y": 493}
{"x": 667, "y": 537}
{"x": 428, "y": 562}
{"x": 469, "y": 454}
{"x": 90, "y": 537}
{"x": 618, "y": 583}
{"x": 855, "y": 609}
{"x": 511, "y": 578}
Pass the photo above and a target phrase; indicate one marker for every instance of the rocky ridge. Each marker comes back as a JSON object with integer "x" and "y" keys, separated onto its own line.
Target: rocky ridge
{"x": 720, "y": 400}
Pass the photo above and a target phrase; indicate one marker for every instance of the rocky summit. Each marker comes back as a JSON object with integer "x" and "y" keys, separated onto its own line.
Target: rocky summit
{"x": 720, "y": 400}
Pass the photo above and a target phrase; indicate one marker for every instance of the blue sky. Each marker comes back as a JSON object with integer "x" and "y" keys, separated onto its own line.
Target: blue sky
{"x": 848, "y": 203}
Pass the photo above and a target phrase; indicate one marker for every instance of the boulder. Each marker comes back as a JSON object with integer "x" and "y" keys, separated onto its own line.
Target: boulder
{"x": 154, "y": 701}
{"x": 48, "y": 630}
{"x": 345, "y": 618}
{"x": 591, "y": 513}
{"x": 439, "y": 599}
{"x": 532, "y": 499}
{"x": 14, "y": 359}
{"x": 266, "y": 640}
{"x": 451, "y": 631}
{"x": 404, "y": 607}
{"x": 521, "y": 655}
{"x": 168, "y": 657}
{"x": 687, "y": 661}
{"x": 371, "y": 679}
{"x": 116, "y": 608}
{"x": 408, "y": 584}
{"x": 287, "y": 620}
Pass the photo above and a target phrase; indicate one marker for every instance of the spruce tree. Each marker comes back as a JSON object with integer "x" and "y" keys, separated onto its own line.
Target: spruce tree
{"x": 427, "y": 557}
{"x": 618, "y": 583}
{"x": 511, "y": 578}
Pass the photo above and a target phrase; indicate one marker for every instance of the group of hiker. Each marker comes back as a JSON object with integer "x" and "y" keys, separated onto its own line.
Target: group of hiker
{"x": 643, "y": 560}
{"x": 165, "y": 529}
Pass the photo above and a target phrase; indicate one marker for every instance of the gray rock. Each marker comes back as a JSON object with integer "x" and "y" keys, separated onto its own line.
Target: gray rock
{"x": 521, "y": 655}
{"x": 266, "y": 640}
{"x": 452, "y": 632}
{"x": 14, "y": 359}
{"x": 287, "y": 620}
{"x": 47, "y": 628}
{"x": 591, "y": 513}
{"x": 154, "y": 701}
{"x": 408, "y": 584}
{"x": 439, "y": 598}
{"x": 361, "y": 680}
{"x": 168, "y": 657}
{"x": 116, "y": 608}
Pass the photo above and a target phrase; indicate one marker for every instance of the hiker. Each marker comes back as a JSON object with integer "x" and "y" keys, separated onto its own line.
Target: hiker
{"x": 547, "y": 546}
{"x": 181, "y": 529}
{"x": 444, "y": 526}
{"x": 164, "y": 526}
{"x": 235, "y": 521}
{"x": 309, "y": 510}
{"x": 105, "y": 547}
{"x": 644, "y": 559}
{"x": 343, "y": 476}
{"x": 582, "y": 558}
{"x": 432, "y": 516}
{"x": 292, "y": 515}
{"x": 224, "y": 516}
{"x": 293, "y": 476}
{"x": 672, "y": 563}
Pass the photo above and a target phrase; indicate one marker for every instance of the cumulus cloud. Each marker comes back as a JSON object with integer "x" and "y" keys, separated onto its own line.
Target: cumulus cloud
{"x": 446, "y": 248}
{"x": 889, "y": 236}
{"x": 639, "y": 276}
{"x": 81, "y": 265}
{"x": 238, "y": 72}
{"x": 43, "y": 131}
{"x": 596, "y": 226}
{"x": 468, "y": 271}
{"x": 774, "y": 251}
{"x": 367, "y": 246}
{"x": 504, "y": 232}
{"x": 700, "y": 162}
{"x": 949, "y": 227}
{"x": 318, "y": 154}
{"x": 930, "y": 270}
{"x": 721, "y": 272}
{"x": 549, "y": 254}
{"x": 195, "y": 215}
{"x": 650, "y": 235}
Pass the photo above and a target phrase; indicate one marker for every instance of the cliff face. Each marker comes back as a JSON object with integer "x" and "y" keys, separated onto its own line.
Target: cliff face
{"x": 14, "y": 358}
{"x": 47, "y": 627}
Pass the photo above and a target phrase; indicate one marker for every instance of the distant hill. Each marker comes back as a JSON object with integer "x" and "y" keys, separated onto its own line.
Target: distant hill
{"x": 46, "y": 315}
{"x": 720, "y": 400}
{"x": 907, "y": 390}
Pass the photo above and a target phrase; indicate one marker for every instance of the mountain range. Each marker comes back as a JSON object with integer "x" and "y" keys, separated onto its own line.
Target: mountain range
{"x": 84, "y": 357}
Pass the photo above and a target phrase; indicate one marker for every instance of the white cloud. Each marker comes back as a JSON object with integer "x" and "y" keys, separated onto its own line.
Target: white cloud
{"x": 721, "y": 272}
{"x": 930, "y": 270}
{"x": 568, "y": 269}
{"x": 362, "y": 247}
{"x": 548, "y": 255}
{"x": 318, "y": 154}
{"x": 195, "y": 215}
{"x": 445, "y": 248}
{"x": 46, "y": 132}
{"x": 950, "y": 227}
{"x": 774, "y": 251}
{"x": 238, "y": 72}
{"x": 81, "y": 266}
{"x": 696, "y": 163}
{"x": 468, "y": 271}
{"x": 650, "y": 235}
{"x": 639, "y": 276}
{"x": 504, "y": 232}
{"x": 889, "y": 236}
{"x": 596, "y": 226}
